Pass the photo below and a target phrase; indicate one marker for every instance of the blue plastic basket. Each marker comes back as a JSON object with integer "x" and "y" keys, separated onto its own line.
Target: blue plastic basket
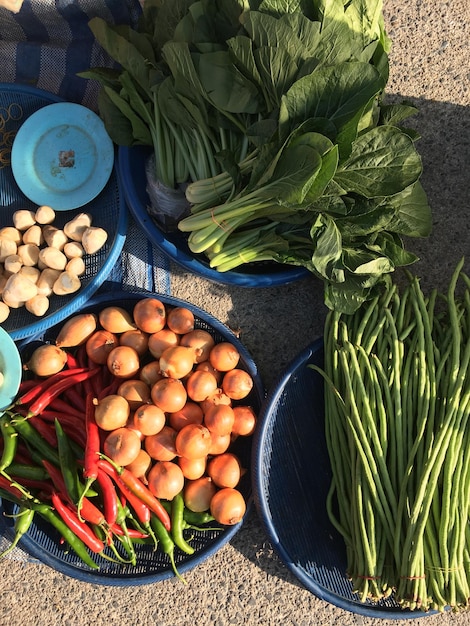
{"x": 43, "y": 542}
{"x": 108, "y": 210}
{"x": 291, "y": 478}
{"x": 131, "y": 169}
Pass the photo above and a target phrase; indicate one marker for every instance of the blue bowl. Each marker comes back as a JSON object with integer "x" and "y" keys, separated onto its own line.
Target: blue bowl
{"x": 131, "y": 171}
{"x": 291, "y": 478}
{"x": 42, "y": 542}
{"x": 10, "y": 369}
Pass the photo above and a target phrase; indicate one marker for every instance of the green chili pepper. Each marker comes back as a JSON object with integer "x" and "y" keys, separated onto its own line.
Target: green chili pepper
{"x": 177, "y": 510}
{"x": 23, "y": 520}
{"x": 195, "y": 518}
{"x": 74, "y": 542}
{"x": 30, "y": 434}
{"x": 10, "y": 441}
{"x": 67, "y": 464}
{"x": 166, "y": 542}
{"x": 21, "y": 470}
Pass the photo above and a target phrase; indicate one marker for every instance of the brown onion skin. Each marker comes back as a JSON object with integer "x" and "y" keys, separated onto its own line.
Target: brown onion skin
{"x": 228, "y": 506}
{"x": 46, "y": 360}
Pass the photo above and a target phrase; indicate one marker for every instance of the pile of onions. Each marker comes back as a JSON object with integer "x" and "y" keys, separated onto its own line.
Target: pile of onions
{"x": 181, "y": 403}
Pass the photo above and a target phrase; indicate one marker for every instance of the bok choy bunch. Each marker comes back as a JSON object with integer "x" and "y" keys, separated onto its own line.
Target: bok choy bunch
{"x": 274, "y": 113}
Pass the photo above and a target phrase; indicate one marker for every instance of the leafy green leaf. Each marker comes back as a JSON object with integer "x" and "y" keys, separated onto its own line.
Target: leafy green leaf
{"x": 338, "y": 93}
{"x": 382, "y": 162}
{"x": 413, "y": 217}
{"x": 327, "y": 246}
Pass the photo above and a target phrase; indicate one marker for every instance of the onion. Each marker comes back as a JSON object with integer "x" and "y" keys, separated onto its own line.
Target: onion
{"x": 162, "y": 445}
{"x": 202, "y": 342}
{"x": 136, "y": 339}
{"x": 245, "y": 420}
{"x": 169, "y": 394}
{"x": 191, "y": 413}
{"x": 219, "y": 419}
{"x": 193, "y": 441}
{"x": 205, "y": 366}
{"x": 149, "y": 419}
{"x": 112, "y": 412}
{"x": 200, "y": 385}
{"x": 136, "y": 392}
{"x": 218, "y": 397}
{"x": 228, "y": 506}
{"x": 76, "y": 330}
{"x": 219, "y": 444}
{"x": 46, "y": 360}
{"x": 122, "y": 445}
{"x": 116, "y": 319}
{"x": 192, "y": 468}
{"x": 225, "y": 470}
{"x": 150, "y": 373}
{"x": 180, "y": 320}
{"x": 123, "y": 362}
{"x": 149, "y": 315}
{"x": 100, "y": 344}
{"x": 177, "y": 361}
{"x": 224, "y": 356}
{"x": 237, "y": 384}
{"x": 161, "y": 340}
{"x": 198, "y": 494}
{"x": 165, "y": 480}
{"x": 140, "y": 465}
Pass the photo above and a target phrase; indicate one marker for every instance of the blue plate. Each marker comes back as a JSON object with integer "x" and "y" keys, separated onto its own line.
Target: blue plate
{"x": 10, "y": 368}
{"x": 62, "y": 156}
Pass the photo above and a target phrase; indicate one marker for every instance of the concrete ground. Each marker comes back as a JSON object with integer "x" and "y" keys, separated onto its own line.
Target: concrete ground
{"x": 245, "y": 582}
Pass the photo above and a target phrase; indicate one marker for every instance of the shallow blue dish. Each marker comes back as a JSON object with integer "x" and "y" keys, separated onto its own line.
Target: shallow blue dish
{"x": 10, "y": 369}
{"x": 131, "y": 170}
{"x": 62, "y": 156}
{"x": 42, "y": 542}
{"x": 291, "y": 478}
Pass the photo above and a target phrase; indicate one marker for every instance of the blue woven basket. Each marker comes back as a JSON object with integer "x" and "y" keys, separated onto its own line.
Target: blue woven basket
{"x": 131, "y": 169}
{"x": 43, "y": 542}
{"x": 108, "y": 210}
{"x": 291, "y": 478}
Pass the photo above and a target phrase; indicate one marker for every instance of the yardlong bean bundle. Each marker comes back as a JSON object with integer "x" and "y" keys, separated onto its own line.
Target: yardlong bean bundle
{"x": 397, "y": 405}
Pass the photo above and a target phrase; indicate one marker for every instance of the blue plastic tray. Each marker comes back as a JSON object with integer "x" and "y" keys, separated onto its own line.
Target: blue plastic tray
{"x": 131, "y": 169}
{"x": 42, "y": 541}
{"x": 291, "y": 478}
{"x": 108, "y": 210}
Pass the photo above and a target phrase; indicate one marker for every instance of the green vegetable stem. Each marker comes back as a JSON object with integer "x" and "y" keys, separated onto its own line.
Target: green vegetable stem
{"x": 397, "y": 405}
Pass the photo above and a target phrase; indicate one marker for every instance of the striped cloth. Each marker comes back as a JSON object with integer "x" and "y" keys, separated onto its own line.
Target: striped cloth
{"x": 48, "y": 42}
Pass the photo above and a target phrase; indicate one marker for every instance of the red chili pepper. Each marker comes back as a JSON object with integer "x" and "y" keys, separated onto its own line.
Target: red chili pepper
{"x": 45, "y": 383}
{"x": 92, "y": 450}
{"x": 57, "y": 388}
{"x": 109, "y": 494}
{"x": 33, "y": 483}
{"x": 72, "y": 362}
{"x": 141, "y": 509}
{"x": 141, "y": 491}
{"x": 110, "y": 389}
{"x": 45, "y": 430}
{"x": 88, "y": 511}
{"x": 75, "y": 399}
{"x": 79, "y": 528}
{"x": 61, "y": 406}
{"x": 11, "y": 489}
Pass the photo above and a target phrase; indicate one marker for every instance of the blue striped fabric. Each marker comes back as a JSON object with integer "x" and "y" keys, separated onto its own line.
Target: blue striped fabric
{"x": 48, "y": 42}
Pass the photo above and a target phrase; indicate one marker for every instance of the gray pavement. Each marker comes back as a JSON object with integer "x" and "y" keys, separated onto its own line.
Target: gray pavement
{"x": 245, "y": 582}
